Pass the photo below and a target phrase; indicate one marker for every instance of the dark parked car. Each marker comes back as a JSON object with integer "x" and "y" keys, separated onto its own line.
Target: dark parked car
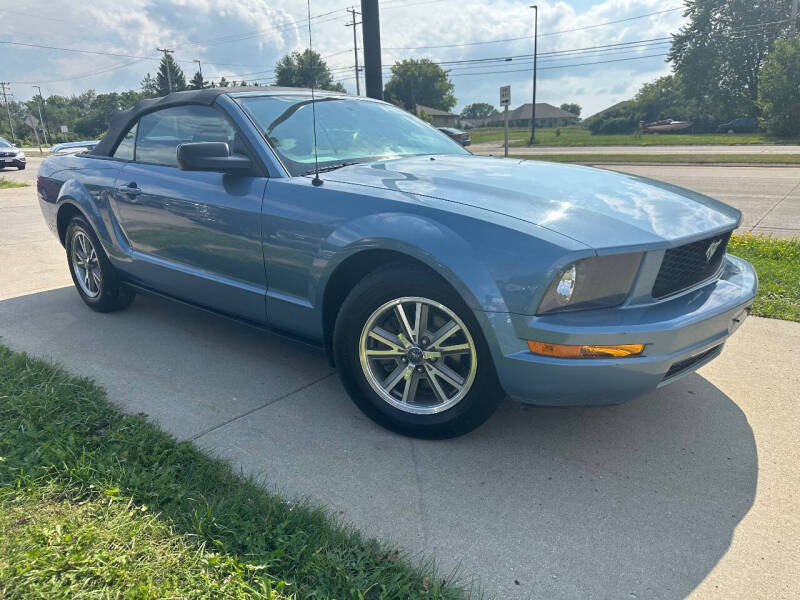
{"x": 462, "y": 137}
{"x": 10, "y": 155}
{"x": 434, "y": 279}
{"x": 743, "y": 125}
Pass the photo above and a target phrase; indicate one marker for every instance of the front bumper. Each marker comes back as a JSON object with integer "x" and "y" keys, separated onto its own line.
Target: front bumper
{"x": 681, "y": 334}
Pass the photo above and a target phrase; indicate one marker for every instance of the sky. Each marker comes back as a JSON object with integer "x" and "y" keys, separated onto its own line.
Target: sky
{"x": 243, "y": 39}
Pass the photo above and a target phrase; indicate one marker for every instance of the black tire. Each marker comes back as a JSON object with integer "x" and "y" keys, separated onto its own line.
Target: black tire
{"x": 21, "y": 168}
{"x": 112, "y": 294}
{"x": 364, "y": 301}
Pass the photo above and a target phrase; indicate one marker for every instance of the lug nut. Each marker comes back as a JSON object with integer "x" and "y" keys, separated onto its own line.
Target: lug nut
{"x": 419, "y": 368}
{"x": 425, "y": 341}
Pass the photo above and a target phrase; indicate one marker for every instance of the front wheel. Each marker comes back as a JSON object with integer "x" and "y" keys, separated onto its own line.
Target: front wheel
{"x": 92, "y": 273}
{"x": 412, "y": 356}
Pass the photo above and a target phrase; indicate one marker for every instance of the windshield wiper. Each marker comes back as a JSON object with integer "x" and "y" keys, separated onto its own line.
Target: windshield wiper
{"x": 330, "y": 167}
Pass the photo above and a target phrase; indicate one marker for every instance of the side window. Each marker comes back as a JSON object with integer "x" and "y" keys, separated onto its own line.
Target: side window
{"x": 161, "y": 132}
{"x": 125, "y": 148}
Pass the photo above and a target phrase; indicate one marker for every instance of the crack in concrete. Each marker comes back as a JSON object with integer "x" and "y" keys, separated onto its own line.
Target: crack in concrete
{"x": 197, "y": 436}
{"x": 766, "y": 214}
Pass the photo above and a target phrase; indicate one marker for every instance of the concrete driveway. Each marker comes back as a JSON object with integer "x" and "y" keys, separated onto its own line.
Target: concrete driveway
{"x": 690, "y": 491}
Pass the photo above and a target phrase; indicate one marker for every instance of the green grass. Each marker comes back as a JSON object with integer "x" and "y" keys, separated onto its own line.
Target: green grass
{"x": 579, "y": 136}
{"x": 698, "y": 159}
{"x": 6, "y": 184}
{"x": 777, "y": 263}
{"x": 95, "y": 504}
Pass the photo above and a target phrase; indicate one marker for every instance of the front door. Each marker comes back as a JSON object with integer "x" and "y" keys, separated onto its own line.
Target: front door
{"x": 192, "y": 235}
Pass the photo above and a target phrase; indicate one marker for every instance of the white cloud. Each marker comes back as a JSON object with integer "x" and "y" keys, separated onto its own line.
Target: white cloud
{"x": 264, "y": 31}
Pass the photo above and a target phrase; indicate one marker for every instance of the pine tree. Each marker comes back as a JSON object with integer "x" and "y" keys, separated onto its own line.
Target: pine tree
{"x": 176, "y": 76}
{"x": 149, "y": 86}
{"x": 197, "y": 82}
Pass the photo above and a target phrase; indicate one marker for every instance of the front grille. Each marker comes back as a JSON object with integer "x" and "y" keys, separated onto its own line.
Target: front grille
{"x": 8, "y": 153}
{"x": 688, "y": 363}
{"x": 690, "y": 264}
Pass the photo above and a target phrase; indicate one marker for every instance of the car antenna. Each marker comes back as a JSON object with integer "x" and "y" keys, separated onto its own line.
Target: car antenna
{"x": 316, "y": 181}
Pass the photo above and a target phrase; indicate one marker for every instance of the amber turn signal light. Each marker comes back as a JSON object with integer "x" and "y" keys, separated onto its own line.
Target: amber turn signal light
{"x": 585, "y": 351}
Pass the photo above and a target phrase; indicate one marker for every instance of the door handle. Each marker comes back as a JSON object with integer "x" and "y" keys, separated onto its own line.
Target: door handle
{"x": 130, "y": 189}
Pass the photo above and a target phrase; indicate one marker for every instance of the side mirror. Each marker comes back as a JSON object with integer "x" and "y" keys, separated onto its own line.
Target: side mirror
{"x": 212, "y": 156}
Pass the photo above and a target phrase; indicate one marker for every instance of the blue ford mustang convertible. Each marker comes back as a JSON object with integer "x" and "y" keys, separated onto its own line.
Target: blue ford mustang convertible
{"x": 434, "y": 279}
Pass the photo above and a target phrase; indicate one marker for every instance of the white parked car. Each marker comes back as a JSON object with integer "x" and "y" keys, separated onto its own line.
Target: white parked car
{"x": 10, "y": 155}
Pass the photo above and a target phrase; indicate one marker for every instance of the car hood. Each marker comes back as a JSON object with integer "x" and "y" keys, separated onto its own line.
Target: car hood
{"x": 600, "y": 208}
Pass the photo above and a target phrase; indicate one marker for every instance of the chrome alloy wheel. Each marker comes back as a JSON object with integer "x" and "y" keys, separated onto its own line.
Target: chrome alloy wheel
{"x": 417, "y": 355}
{"x": 85, "y": 265}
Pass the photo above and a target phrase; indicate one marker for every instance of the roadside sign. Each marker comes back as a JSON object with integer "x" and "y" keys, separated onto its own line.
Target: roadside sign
{"x": 31, "y": 121}
{"x": 505, "y": 95}
{"x": 63, "y": 129}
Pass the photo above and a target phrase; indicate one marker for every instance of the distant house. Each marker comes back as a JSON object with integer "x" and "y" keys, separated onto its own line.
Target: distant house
{"x": 547, "y": 115}
{"x": 610, "y": 109}
{"x": 439, "y": 118}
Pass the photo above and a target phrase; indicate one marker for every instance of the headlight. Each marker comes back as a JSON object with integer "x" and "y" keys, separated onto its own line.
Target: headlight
{"x": 596, "y": 282}
{"x": 20, "y": 154}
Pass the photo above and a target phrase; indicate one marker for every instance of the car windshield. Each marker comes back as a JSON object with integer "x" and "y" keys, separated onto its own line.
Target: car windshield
{"x": 4, "y": 143}
{"x": 349, "y": 131}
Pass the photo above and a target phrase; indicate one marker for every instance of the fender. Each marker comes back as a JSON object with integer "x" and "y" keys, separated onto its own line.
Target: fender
{"x": 96, "y": 209}
{"x": 430, "y": 242}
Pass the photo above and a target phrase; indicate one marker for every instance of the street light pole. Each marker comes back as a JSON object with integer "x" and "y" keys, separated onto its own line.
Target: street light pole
{"x": 535, "y": 54}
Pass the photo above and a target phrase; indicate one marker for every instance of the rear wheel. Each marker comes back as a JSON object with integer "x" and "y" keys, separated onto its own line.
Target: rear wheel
{"x": 96, "y": 280}
{"x": 412, "y": 356}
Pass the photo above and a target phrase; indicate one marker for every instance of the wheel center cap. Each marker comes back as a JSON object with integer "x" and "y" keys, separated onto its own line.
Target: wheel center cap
{"x": 415, "y": 355}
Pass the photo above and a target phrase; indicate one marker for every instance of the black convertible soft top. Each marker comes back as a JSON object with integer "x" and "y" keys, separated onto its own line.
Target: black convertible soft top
{"x": 122, "y": 121}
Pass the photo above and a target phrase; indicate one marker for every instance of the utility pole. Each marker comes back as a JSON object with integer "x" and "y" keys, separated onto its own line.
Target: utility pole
{"x": 42, "y": 120}
{"x": 794, "y": 17}
{"x": 371, "y": 31}
{"x": 535, "y": 53}
{"x": 354, "y": 12}
{"x": 199, "y": 67}
{"x": 3, "y": 85}
{"x": 167, "y": 52}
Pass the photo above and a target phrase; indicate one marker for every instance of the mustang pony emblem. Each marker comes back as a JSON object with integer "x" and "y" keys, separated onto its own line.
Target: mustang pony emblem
{"x": 712, "y": 248}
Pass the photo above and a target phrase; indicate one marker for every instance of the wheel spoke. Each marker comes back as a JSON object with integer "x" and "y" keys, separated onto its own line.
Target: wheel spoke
{"x": 96, "y": 277}
{"x": 444, "y": 332}
{"x": 395, "y": 376}
{"x": 435, "y": 385}
{"x": 387, "y": 339}
{"x": 404, "y": 324}
{"x": 410, "y": 391}
{"x": 420, "y": 321}
{"x": 446, "y": 373}
{"x": 454, "y": 349}
{"x": 391, "y": 353}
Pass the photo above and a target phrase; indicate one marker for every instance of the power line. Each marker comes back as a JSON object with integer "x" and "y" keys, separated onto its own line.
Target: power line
{"x": 528, "y": 37}
{"x": 83, "y": 76}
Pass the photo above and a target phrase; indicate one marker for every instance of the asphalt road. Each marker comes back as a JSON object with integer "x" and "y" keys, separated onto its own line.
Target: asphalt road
{"x": 690, "y": 491}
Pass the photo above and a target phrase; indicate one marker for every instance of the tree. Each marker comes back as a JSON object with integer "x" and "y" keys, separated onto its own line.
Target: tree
{"x": 197, "y": 82}
{"x": 478, "y": 110}
{"x": 305, "y": 69}
{"x": 420, "y": 82}
{"x": 573, "y": 108}
{"x": 779, "y": 89}
{"x": 149, "y": 87}
{"x": 176, "y": 76}
{"x": 721, "y": 51}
